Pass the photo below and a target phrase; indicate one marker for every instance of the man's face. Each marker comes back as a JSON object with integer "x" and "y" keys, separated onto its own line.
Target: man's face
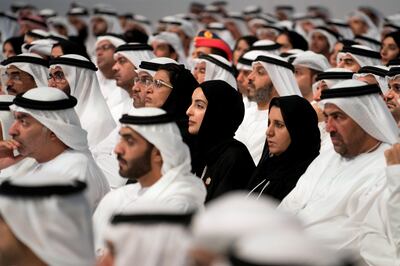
{"x": 319, "y": 43}
{"x": 392, "y": 98}
{"x": 347, "y": 137}
{"x": 260, "y": 84}
{"x": 57, "y": 80}
{"x": 321, "y": 87}
{"x": 18, "y": 81}
{"x": 243, "y": 81}
{"x": 200, "y": 51}
{"x": 32, "y": 135}
{"x": 99, "y": 26}
{"x": 139, "y": 90}
{"x": 163, "y": 49}
{"x": 199, "y": 72}
{"x": 348, "y": 62}
{"x": 285, "y": 42}
{"x": 125, "y": 72}
{"x": 133, "y": 154}
{"x": 105, "y": 55}
{"x": 304, "y": 78}
{"x": 57, "y": 51}
{"x": 358, "y": 26}
{"x": 10, "y": 247}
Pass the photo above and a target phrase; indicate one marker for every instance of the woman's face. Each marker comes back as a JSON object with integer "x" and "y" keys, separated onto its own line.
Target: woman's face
{"x": 240, "y": 49}
{"x": 196, "y": 111}
{"x": 8, "y": 50}
{"x": 157, "y": 93}
{"x": 278, "y": 136}
{"x": 285, "y": 42}
{"x": 389, "y": 50}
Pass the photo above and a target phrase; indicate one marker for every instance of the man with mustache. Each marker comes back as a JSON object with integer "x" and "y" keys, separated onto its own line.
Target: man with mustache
{"x": 150, "y": 151}
{"x": 271, "y": 76}
{"x": 392, "y": 96}
{"x": 127, "y": 60}
{"x": 335, "y": 194}
{"x": 47, "y": 129}
{"x": 25, "y": 72}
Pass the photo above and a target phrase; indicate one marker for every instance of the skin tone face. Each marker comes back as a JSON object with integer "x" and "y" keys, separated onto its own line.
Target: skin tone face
{"x": 348, "y": 62}
{"x": 358, "y": 26}
{"x": 32, "y": 136}
{"x": 319, "y": 44}
{"x": 139, "y": 90}
{"x": 162, "y": 49}
{"x": 243, "y": 81}
{"x": 201, "y": 50}
{"x": 78, "y": 23}
{"x": 348, "y": 138}
{"x": 99, "y": 26}
{"x": 57, "y": 80}
{"x": 159, "y": 90}
{"x": 321, "y": 87}
{"x": 240, "y": 49}
{"x": 332, "y": 58}
{"x": 392, "y": 98}
{"x": 199, "y": 72}
{"x": 284, "y": 41}
{"x": 133, "y": 154}
{"x": 56, "y": 51}
{"x": 124, "y": 73}
{"x": 277, "y": 134}
{"x": 304, "y": 77}
{"x": 196, "y": 111}
{"x": 8, "y": 50}
{"x": 389, "y": 50}
{"x": 260, "y": 86}
{"x": 18, "y": 81}
{"x": 105, "y": 57}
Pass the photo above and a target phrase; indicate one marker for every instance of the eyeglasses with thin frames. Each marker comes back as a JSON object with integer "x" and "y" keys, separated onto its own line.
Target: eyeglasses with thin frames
{"x": 57, "y": 76}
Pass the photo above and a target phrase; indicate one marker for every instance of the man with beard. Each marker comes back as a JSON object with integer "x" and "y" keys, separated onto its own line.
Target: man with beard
{"x": 24, "y": 72}
{"x": 392, "y": 96}
{"x": 271, "y": 76}
{"x": 335, "y": 194}
{"x": 150, "y": 151}
{"x": 127, "y": 60}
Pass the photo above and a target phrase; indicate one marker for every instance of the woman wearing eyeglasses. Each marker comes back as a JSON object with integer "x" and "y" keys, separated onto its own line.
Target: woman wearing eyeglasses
{"x": 171, "y": 90}
{"x": 223, "y": 163}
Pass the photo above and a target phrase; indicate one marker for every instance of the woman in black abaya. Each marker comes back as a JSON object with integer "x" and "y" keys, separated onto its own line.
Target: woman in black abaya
{"x": 293, "y": 141}
{"x": 223, "y": 163}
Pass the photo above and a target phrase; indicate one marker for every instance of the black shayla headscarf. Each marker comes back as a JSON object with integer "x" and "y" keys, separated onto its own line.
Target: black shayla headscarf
{"x": 283, "y": 171}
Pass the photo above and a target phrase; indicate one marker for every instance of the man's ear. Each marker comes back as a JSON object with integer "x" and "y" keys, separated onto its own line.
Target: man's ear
{"x": 156, "y": 154}
{"x": 53, "y": 136}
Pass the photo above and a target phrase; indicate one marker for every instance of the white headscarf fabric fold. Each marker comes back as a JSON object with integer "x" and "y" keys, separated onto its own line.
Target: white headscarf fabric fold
{"x": 166, "y": 243}
{"x": 64, "y": 124}
{"x": 58, "y": 229}
{"x": 38, "y": 72}
{"x": 93, "y": 112}
{"x": 136, "y": 56}
{"x": 172, "y": 39}
{"x": 6, "y": 117}
{"x": 282, "y": 78}
{"x": 361, "y": 60}
{"x": 311, "y": 60}
{"x": 368, "y": 111}
{"x": 215, "y": 72}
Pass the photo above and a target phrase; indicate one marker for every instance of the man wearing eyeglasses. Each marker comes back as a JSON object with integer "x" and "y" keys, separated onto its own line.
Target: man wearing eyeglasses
{"x": 105, "y": 48}
{"x": 126, "y": 70}
{"x": 24, "y": 72}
